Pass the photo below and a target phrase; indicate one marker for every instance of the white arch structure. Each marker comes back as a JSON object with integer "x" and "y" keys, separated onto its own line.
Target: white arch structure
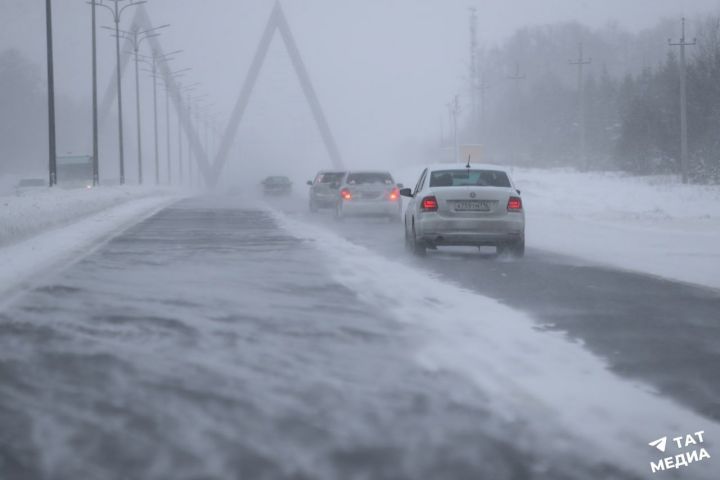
{"x": 211, "y": 171}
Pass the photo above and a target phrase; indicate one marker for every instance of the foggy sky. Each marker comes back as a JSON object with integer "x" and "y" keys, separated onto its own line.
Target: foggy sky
{"x": 383, "y": 69}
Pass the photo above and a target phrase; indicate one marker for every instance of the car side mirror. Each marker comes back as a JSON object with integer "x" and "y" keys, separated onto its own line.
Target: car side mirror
{"x": 309, "y": 182}
{"x": 406, "y": 192}
{"x": 518, "y": 191}
{"x": 400, "y": 185}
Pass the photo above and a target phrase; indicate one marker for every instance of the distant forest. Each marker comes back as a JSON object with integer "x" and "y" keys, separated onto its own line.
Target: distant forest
{"x": 632, "y": 98}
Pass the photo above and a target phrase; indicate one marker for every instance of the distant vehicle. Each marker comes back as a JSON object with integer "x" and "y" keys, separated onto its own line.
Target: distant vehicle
{"x": 75, "y": 171}
{"x": 324, "y": 190}
{"x": 277, "y": 185}
{"x": 369, "y": 193}
{"x": 30, "y": 184}
{"x": 464, "y": 206}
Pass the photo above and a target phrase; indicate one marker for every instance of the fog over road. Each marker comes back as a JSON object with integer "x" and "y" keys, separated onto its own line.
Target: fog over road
{"x": 208, "y": 342}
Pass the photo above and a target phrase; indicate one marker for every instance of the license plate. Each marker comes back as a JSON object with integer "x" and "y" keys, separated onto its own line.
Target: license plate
{"x": 472, "y": 206}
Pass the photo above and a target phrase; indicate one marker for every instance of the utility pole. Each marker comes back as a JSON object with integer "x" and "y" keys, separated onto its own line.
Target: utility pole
{"x": 117, "y": 12}
{"x": 52, "y": 152}
{"x": 96, "y": 149}
{"x": 683, "y": 102}
{"x": 482, "y": 87}
{"x": 580, "y": 63}
{"x": 180, "y": 109}
{"x": 473, "y": 70}
{"x": 136, "y": 48}
{"x": 454, "y": 109}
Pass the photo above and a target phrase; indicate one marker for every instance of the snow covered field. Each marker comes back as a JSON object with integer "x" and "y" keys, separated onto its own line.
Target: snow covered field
{"x": 652, "y": 225}
{"x": 647, "y": 224}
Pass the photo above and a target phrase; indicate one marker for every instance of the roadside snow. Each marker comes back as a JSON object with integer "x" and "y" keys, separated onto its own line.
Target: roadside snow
{"x": 524, "y": 373}
{"x": 43, "y": 230}
{"x": 22, "y": 216}
{"x": 646, "y": 224}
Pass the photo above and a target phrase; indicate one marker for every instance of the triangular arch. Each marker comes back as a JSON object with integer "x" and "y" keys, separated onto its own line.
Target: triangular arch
{"x": 277, "y": 23}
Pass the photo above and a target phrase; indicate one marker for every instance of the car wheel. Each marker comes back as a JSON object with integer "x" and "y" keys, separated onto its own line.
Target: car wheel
{"x": 312, "y": 206}
{"x": 517, "y": 249}
{"x": 418, "y": 247}
{"x": 339, "y": 215}
{"x": 408, "y": 243}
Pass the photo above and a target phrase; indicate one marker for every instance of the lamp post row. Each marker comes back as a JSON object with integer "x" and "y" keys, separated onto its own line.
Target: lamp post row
{"x": 136, "y": 36}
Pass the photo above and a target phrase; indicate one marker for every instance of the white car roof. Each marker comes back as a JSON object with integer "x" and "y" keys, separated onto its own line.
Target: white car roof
{"x": 463, "y": 166}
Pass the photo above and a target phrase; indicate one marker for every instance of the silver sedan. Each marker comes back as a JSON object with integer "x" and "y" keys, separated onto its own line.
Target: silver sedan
{"x": 456, "y": 205}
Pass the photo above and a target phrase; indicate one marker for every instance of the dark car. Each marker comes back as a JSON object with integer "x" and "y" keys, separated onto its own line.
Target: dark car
{"x": 324, "y": 189}
{"x": 277, "y": 185}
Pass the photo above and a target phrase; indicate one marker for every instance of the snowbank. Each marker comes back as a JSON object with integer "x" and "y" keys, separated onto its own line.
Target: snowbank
{"x": 652, "y": 225}
{"x": 22, "y": 216}
{"x": 46, "y": 228}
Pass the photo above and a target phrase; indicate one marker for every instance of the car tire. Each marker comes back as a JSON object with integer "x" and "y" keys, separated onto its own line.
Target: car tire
{"x": 419, "y": 248}
{"x": 517, "y": 249}
{"x": 311, "y": 205}
{"x": 339, "y": 215}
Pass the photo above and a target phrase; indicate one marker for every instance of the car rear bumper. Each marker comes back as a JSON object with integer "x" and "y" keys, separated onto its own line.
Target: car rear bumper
{"x": 370, "y": 208}
{"x": 324, "y": 201}
{"x": 438, "y": 230}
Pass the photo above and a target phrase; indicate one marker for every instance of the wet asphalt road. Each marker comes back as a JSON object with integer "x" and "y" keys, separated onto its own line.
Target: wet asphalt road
{"x": 207, "y": 343}
{"x": 664, "y": 333}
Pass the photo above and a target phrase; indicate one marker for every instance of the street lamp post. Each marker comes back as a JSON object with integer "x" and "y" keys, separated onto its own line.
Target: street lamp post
{"x": 96, "y": 149}
{"x": 137, "y": 36}
{"x": 170, "y": 75}
{"x": 52, "y": 163}
{"x": 117, "y": 12}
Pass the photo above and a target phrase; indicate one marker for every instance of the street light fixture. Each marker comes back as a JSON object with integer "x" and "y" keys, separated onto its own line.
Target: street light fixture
{"x": 117, "y": 12}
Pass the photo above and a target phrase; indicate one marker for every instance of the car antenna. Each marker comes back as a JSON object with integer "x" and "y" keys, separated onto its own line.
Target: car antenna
{"x": 468, "y": 161}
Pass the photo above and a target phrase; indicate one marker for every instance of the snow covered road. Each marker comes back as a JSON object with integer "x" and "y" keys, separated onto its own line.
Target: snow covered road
{"x": 213, "y": 341}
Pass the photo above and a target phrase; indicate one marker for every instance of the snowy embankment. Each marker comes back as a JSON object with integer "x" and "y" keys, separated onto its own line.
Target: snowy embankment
{"x": 651, "y": 225}
{"x": 43, "y": 228}
{"x": 523, "y": 373}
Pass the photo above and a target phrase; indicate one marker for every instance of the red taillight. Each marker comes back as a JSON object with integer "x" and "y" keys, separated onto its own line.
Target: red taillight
{"x": 345, "y": 194}
{"x": 395, "y": 194}
{"x": 429, "y": 204}
{"x": 514, "y": 203}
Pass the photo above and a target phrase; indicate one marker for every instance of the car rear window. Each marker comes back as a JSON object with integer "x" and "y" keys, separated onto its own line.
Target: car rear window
{"x": 277, "y": 180}
{"x": 330, "y": 177}
{"x": 364, "y": 178}
{"x": 464, "y": 178}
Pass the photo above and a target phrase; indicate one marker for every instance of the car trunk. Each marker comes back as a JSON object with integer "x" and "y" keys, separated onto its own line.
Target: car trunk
{"x": 471, "y": 201}
{"x": 370, "y": 191}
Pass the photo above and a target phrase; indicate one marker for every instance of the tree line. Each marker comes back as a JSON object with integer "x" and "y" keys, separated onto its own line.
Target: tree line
{"x": 631, "y": 93}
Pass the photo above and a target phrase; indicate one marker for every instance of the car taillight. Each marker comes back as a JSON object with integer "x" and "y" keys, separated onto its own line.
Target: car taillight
{"x": 514, "y": 203}
{"x": 345, "y": 194}
{"x": 395, "y": 194}
{"x": 429, "y": 204}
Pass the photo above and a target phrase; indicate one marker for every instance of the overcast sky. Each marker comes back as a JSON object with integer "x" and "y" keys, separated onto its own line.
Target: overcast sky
{"x": 384, "y": 69}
